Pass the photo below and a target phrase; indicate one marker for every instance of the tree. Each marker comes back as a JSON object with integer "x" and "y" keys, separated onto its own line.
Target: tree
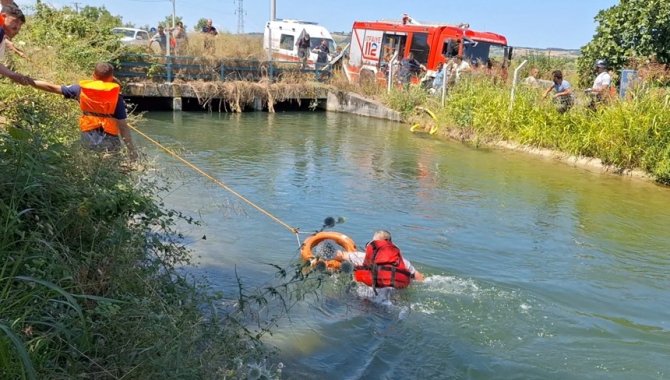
{"x": 101, "y": 16}
{"x": 200, "y": 24}
{"x": 78, "y": 38}
{"x": 633, "y": 29}
{"x": 167, "y": 22}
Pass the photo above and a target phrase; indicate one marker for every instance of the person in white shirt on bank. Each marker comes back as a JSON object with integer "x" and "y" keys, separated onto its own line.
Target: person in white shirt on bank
{"x": 602, "y": 84}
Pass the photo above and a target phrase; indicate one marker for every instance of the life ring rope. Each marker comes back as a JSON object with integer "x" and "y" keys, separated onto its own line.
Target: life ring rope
{"x": 293, "y": 230}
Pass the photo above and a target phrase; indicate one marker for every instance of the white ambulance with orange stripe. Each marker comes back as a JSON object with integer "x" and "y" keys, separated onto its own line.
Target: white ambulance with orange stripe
{"x": 285, "y": 35}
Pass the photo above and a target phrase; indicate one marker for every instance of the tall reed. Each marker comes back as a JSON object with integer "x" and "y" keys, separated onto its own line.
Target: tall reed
{"x": 628, "y": 134}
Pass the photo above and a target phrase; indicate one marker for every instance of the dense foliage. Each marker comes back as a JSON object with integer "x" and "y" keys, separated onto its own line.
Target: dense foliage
{"x": 200, "y": 24}
{"x": 101, "y": 16}
{"x": 70, "y": 41}
{"x": 633, "y": 29}
{"x": 167, "y": 21}
{"x": 91, "y": 268}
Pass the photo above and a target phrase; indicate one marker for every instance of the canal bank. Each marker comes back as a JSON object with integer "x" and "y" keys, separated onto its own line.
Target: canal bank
{"x": 590, "y": 164}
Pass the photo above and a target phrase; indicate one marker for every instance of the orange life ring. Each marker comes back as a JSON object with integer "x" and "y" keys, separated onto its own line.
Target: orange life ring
{"x": 342, "y": 240}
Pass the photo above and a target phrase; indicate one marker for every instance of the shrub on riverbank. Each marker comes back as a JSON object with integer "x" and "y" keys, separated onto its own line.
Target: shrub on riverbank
{"x": 92, "y": 279}
{"x": 90, "y": 284}
{"x": 629, "y": 134}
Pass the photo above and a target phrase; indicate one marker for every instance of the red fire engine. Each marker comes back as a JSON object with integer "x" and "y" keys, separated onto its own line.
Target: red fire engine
{"x": 375, "y": 43}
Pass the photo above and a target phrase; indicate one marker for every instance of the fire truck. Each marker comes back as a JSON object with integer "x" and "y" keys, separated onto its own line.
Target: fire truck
{"x": 376, "y": 44}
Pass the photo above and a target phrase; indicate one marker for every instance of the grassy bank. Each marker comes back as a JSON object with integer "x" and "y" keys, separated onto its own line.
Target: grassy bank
{"x": 630, "y": 134}
{"x": 92, "y": 272}
{"x": 90, "y": 281}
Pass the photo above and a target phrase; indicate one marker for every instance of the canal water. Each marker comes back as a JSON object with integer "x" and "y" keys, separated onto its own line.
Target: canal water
{"x": 535, "y": 270}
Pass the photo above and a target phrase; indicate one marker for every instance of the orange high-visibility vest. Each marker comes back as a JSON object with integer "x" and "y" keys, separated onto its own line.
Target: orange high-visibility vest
{"x": 97, "y": 101}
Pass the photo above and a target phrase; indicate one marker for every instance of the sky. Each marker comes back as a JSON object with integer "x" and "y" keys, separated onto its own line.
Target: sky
{"x": 567, "y": 24}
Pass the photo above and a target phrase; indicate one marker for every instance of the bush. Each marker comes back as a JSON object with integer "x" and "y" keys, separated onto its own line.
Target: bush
{"x": 90, "y": 281}
{"x": 77, "y": 41}
{"x": 627, "y": 134}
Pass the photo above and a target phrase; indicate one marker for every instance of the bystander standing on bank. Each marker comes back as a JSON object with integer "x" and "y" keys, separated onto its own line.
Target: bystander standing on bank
{"x": 600, "y": 90}
{"x": 210, "y": 32}
{"x": 304, "y": 48}
{"x": 161, "y": 39}
{"x": 11, "y": 21}
{"x": 563, "y": 96}
{"x": 180, "y": 38}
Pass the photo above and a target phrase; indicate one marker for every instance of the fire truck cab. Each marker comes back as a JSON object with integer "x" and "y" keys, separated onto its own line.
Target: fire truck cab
{"x": 375, "y": 43}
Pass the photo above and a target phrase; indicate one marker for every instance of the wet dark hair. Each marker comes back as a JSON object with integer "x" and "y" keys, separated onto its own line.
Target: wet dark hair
{"x": 557, "y": 74}
{"x": 104, "y": 71}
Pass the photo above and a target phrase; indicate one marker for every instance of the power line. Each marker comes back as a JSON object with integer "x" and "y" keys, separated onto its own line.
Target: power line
{"x": 240, "y": 16}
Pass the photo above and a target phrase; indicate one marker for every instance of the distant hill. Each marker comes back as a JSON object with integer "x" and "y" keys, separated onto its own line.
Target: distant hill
{"x": 554, "y": 52}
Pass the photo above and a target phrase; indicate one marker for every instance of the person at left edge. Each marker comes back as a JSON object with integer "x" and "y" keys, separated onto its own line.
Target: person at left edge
{"x": 11, "y": 21}
{"x": 104, "y": 110}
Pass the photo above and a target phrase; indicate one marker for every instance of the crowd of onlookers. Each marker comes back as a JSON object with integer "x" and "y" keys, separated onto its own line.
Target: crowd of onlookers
{"x": 445, "y": 74}
{"x": 450, "y": 72}
{"x": 177, "y": 39}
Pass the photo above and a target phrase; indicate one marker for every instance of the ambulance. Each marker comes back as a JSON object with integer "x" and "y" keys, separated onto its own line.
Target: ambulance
{"x": 285, "y": 35}
{"x": 375, "y": 43}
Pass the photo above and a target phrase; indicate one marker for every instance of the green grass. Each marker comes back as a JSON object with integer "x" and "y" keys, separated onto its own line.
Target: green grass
{"x": 90, "y": 284}
{"x": 92, "y": 279}
{"x": 629, "y": 134}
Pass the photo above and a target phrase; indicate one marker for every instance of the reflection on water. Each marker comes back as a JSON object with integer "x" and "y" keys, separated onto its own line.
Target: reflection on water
{"x": 535, "y": 269}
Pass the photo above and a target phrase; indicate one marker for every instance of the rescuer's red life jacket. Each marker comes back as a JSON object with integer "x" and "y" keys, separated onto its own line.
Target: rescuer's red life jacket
{"x": 383, "y": 266}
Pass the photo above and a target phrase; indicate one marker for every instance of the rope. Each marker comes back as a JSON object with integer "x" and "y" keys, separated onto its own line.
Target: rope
{"x": 221, "y": 184}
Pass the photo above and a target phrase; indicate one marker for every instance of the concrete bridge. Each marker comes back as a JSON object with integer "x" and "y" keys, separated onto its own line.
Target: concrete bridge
{"x": 195, "y": 83}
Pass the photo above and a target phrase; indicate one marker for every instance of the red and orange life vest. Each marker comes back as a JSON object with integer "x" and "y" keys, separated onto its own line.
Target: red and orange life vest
{"x": 383, "y": 266}
{"x": 97, "y": 101}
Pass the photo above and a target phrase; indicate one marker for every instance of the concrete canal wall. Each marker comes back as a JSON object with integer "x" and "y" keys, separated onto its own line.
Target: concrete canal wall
{"x": 349, "y": 102}
{"x": 252, "y": 96}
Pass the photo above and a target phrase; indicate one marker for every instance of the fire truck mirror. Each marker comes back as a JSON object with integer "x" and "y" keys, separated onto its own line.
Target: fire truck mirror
{"x": 508, "y": 52}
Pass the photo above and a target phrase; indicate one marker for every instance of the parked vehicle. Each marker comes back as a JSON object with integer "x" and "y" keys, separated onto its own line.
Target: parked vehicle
{"x": 285, "y": 34}
{"x": 132, "y": 36}
{"x": 375, "y": 43}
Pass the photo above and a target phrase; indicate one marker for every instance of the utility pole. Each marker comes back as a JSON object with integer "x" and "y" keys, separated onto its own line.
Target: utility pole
{"x": 76, "y": 7}
{"x": 240, "y": 16}
{"x": 273, "y": 16}
{"x": 174, "y": 14}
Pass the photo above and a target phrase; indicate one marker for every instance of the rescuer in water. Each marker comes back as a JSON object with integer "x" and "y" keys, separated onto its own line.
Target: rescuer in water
{"x": 382, "y": 264}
